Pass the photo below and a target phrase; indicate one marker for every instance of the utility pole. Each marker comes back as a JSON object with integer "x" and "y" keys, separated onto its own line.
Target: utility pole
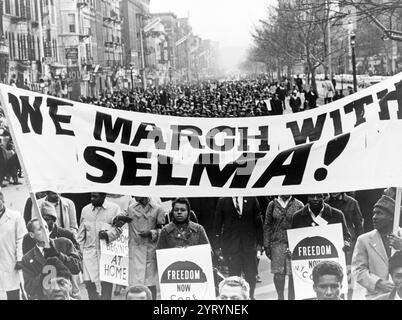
{"x": 41, "y": 46}
{"x": 353, "y": 45}
{"x": 329, "y": 41}
{"x": 144, "y": 78}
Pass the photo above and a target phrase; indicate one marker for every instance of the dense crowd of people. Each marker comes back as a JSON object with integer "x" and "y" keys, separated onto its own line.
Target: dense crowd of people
{"x": 226, "y": 99}
{"x": 237, "y": 228}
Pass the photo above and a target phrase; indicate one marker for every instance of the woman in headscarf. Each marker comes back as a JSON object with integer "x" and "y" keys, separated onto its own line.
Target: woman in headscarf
{"x": 181, "y": 232}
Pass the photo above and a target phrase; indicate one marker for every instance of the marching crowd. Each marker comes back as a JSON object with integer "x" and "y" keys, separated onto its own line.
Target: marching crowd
{"x": 237, "y": 228}
{"x": 242, "y": 98}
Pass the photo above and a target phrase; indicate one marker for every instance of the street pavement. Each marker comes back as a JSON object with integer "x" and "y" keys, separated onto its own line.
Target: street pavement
{"x": 16, "y": 196}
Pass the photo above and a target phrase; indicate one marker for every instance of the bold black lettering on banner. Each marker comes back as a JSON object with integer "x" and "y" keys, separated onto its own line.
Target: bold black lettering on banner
{"x": 358, "y": 107}
{"x": 244, "y": 137}
{"x": 334, "y": 149}
{"x": 385, "y": 96}
{"x": 336, "y": 118}
{"x": 242, "y": 169}
{"x": 193, "y": 136}
{"x": 309, "y": 130}
{"x": 228, "y": 143}
{"x": 165, "y": 173}
{"x": 107, "y": 166}
{"x": 293, "y": 172}
{"x": 104, "y": 121}
{"x": 155, "y": 134}
{"x": 23, "y": 110}
{"x": 131, "y": 166}
{"x": 53, "y": 105}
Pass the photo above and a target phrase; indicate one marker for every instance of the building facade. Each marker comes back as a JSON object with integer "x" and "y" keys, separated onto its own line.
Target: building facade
{"x": 32, "y": 56}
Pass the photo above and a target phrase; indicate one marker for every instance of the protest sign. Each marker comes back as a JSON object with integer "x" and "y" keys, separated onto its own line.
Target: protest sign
{"x": 186, "y": 273}
{"x": 114, "y": 260}
{"x": 310, "y": 246}
{"x": 73, "y": 147}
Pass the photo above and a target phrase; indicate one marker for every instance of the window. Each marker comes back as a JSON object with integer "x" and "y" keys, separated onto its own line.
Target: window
{"x": 28, "y": 9}
{"x": 55, "y": 48}
{"x": 17, "y": 7}
{"x": 53, "y": 15}
{"x": 88, "y": 51}
{"x": 36, "y": 10}
{"x": 19, "y": 46}
{"x": 7, "y": 5}
{"x": 71, "y": 22}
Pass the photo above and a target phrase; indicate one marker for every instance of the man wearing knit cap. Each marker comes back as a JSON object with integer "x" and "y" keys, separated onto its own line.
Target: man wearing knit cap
{"x": 373, "y": 250}
{"x": 65, "y": 210}
{"x": 48, "y": 212}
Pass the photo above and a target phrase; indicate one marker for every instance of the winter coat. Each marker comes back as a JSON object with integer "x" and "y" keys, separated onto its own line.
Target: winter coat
{"x": 142, "y": 251}
{"x": 236, "y": 234}
{"x": 370, "y": 262}
{"x": 172, "y": 236}
{"x": 34, "y": 261}
{"x": 12, "y": 231}
{"x": 302, "y": 219}
{"x": 94, "y": 220}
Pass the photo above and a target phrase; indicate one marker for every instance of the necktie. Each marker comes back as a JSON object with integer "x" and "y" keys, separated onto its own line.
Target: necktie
{"x": 238, "y": 207}
{"x": 61, "y": 214}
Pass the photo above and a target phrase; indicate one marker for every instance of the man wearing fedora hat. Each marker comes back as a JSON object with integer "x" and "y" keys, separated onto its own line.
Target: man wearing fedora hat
{"x": 373, "y": 250}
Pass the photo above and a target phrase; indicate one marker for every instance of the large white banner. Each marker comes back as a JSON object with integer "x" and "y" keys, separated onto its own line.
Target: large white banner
{"x": 186, "y": 273}
{"x": 310, "y": 246}
{"x": 351, "y": 144}
{"x": 114, "y": 260}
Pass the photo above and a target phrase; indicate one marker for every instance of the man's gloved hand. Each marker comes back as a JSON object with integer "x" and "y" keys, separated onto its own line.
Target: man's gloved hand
{"x": 218, "y": 252}
{"x": 288, "y": 253}
{"x": 145, "y": 234}
{"x": 103, "y": 236}
{"x": 346, "y": 246}
{"x": 50, "y": 252}
{"x": 18, "y": 266}
{"x": 120, "y": 221}
{"x": 267, "y": 252}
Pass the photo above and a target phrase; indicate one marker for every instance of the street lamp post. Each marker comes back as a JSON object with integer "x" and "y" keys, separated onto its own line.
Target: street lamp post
{"x": 353, "y": 45}
{"x": 132, "y": 77}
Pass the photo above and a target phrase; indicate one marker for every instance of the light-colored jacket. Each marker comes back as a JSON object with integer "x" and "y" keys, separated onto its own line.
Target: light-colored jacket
{"x": 94, "y": 220}
{"x": 12, "y": 231}
{"x": 328, "y": 89}
{"x": 69, "y": 214}
{"x": 370, "y": 262}
{"x": 142, "y": 251}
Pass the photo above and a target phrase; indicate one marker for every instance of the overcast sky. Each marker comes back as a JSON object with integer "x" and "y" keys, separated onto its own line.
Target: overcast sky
{"x": 229, "y": 22}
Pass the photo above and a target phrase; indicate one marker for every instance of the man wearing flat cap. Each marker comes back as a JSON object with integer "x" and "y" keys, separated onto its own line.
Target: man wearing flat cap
{"x": 373, "y": 250}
